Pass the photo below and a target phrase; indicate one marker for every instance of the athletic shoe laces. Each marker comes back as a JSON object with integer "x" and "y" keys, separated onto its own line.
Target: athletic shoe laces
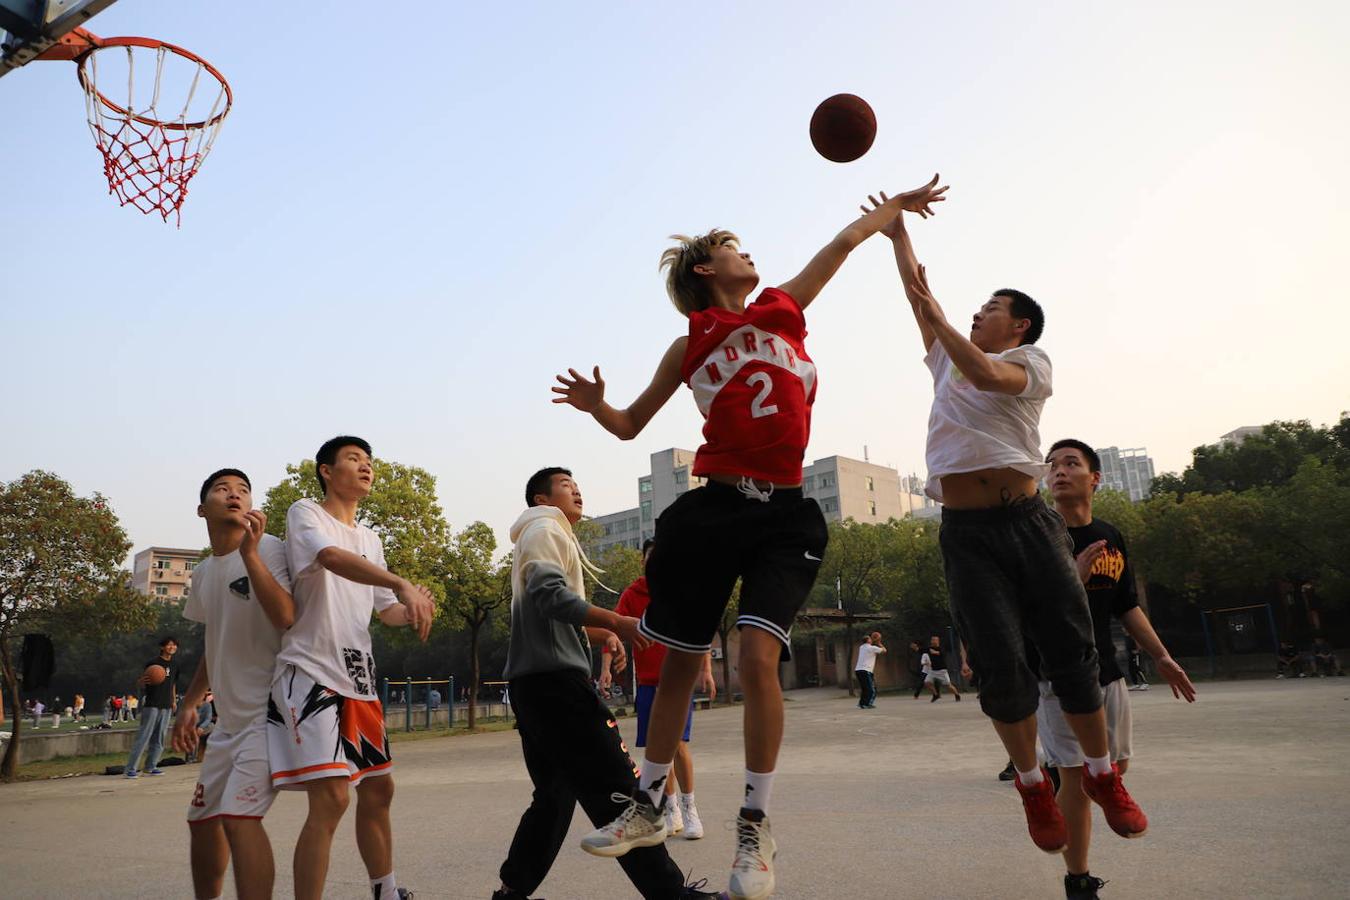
{"x": 749, "y": 845}
{"x": 633, "y": 811}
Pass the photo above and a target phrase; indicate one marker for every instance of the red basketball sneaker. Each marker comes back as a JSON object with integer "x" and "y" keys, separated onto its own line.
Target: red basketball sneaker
{"x": 1044, "y": 820}
{"x": 1122, "y": 813}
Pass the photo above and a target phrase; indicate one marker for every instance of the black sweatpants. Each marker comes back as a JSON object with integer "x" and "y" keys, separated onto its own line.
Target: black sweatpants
{"x": 574, "y": 753}
{"x": 1011, "y": 576}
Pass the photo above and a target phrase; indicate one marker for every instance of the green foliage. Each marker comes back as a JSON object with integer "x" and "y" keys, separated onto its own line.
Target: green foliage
{"x": 402, "y": 509}
{"x": 1268, "y": 459}
{"x": 60, "y": 572}
{"x": 622, "y": 566}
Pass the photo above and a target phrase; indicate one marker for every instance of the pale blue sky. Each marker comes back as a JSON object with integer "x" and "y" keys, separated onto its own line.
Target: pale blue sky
{"x": 407, "y": 227}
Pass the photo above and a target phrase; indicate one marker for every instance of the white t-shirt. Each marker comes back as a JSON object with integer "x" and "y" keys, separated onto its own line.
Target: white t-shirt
{"x": 241, "y": 642}
{"x": 970, "y": 429}
{"x": 867, "y": 657}
{"x": 330, "y": 640}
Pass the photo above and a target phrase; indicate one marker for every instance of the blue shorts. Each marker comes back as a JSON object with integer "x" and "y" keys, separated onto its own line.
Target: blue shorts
{"x": 646, "y": 693}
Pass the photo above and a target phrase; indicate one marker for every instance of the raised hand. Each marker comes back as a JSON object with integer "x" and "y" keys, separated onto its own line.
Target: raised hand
{"x": 1083, "y": 561}
{"x": 579, "y": 392}
{"x": 255, "y": 526}
{"x": 921, "y": 200}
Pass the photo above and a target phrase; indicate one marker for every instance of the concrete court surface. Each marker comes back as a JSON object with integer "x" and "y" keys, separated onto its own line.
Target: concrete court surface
{"x": 1248, "y": 791}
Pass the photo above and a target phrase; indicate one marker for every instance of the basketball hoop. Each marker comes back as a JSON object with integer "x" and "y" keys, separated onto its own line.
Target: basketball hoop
{"x": 155, "y": 140}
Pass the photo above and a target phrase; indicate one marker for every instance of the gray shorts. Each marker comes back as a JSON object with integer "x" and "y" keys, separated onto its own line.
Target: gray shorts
{"x": 938, "y": 675}
{"x": 1058, "y": 740}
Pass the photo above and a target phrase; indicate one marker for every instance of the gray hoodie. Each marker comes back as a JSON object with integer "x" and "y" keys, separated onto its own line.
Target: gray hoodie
{"x": 547, "y": 607}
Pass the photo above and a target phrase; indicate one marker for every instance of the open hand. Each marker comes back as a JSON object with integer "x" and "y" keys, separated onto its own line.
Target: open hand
{"x": 627, "y": 629}
{"x": 921, "y": 199}
{"x": 579, "y": 392}
{"x": 420, "y": 606}
{"x": 1083, "y": 561}
{"x": 1172, "y": 672}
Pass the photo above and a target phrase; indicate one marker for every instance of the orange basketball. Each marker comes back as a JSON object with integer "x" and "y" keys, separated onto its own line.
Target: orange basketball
{"x": 155, "y": 674}
{"x": 843, "y": 128}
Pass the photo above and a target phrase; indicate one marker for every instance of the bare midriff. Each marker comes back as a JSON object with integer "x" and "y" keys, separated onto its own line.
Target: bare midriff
{"x": 986, "y": 488}
{"x": 733, "y": 480}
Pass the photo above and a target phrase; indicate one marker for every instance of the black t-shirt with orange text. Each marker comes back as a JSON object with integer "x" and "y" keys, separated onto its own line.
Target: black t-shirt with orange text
{"x": 1110, "y": 588}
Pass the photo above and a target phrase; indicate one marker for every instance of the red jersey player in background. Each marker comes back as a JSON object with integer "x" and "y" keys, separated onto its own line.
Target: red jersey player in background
{"x": 681, "y": 815}
{"x": 754, "y": 384}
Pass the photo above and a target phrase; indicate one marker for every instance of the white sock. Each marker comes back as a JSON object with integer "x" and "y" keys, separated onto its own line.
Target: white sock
{"x": 1097, "y": 765}
{"x": 758, "y": 790}
{"x": 1035, "y": 776}
{"x": 687, "y": 799}
{"x": 653, "y": 779}
{"x": 384, "y": 888}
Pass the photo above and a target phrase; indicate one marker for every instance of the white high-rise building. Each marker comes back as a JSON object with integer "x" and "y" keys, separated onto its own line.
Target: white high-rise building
{"x": 1129, "y": 470}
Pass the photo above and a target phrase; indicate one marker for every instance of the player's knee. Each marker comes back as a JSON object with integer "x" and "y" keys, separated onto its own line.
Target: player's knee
{"x": 328, "y": 799}
{"x": 241, "y": 828}
{"x": 376, "y": 793}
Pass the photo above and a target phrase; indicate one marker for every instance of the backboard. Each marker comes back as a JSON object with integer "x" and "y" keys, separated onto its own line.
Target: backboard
{"x": 29, "y": 27}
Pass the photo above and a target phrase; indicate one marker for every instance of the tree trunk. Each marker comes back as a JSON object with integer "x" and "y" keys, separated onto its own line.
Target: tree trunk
{"x": 474, "y": 626}
{"x": 848, "y": 651}
{"x": 10, "y": 767}
{"x": 726, "y": 668}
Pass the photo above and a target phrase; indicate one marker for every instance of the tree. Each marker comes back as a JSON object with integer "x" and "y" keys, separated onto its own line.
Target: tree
{"x": 916, "y": 581}
{"x": 620, "y": 566}
{"x": 853, "y": 573}
{"x": 60, "y": 571}
{"x": 475, "y": 588}
{"x": 402, "y": 510}
{"x": 1268, "y": 459}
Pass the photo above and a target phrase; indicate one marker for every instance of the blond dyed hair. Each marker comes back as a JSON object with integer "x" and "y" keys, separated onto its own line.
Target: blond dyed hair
{"x": 687, "y": 289}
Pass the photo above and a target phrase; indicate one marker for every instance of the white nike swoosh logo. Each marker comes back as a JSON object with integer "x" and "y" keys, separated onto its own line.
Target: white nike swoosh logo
{"x": 710, "y": 328}
{"x": 812, "y": 558}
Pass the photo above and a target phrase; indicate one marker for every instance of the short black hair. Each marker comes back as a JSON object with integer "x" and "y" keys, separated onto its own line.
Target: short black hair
{"x": 221, "y": 473}
{"x": 1023, "y": 307}
{"x": 168, "y": 638}
{"x": 1093, "y": 460}
{"x": 327, "y": 454}
{"x": 541, "y": 482}
{"x": 648, "y": 544}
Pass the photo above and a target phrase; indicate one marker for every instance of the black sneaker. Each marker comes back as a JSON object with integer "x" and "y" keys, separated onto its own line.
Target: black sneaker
{"x": 1082, "y": 887}
{"x": 508, "y": 894}
{"x": 1009, "y": 772}
{"x": 405, "y": 894}
{"x": 694, "y": 890}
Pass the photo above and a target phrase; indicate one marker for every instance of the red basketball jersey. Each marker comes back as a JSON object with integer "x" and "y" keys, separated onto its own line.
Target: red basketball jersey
{"x": 754, "y": 385}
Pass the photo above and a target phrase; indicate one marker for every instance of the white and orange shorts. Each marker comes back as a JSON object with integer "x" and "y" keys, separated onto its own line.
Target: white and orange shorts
{"x": 234, "y": 781}
{"x": 315, "y": 732}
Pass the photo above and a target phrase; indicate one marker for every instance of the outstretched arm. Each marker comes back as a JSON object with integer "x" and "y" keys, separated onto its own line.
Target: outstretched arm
{"x": 981, "y": 370}
{"x": 824, "y": 264}
{"x": 626, "y": 424}
{"x": 908, "y": 264}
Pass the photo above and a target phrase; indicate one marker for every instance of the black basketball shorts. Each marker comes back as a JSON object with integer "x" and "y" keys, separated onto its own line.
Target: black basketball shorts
{"x": 715, "y": 534}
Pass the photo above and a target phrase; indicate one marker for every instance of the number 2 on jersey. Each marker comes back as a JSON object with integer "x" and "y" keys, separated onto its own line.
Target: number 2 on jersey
{"x": 757, "y": 408}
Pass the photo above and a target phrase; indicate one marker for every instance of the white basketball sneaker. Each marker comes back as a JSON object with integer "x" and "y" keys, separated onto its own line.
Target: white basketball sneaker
{"x": 752, "y": 869}
{"x": 693, "y": 825}
{"x": 674, "y": 817}
{"x": 639, "y": 825}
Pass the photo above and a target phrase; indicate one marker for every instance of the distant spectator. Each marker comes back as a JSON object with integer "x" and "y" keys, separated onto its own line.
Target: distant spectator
{"x": 38, "y": 708}
{"x": 77, "y": 709}
{"x": 1325, "y": 659}
{"x": 434, "y": 698}
{"x": 1288, "y": 662}
{"x": 206, "y": 723}
{"x": 134, "y": 705}
{"x": 160, "y": 699}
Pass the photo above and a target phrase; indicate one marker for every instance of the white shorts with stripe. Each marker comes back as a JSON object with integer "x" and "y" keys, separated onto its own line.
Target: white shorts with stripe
{"x": 314, "y": 732}
{"x": 235, "y": 780}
